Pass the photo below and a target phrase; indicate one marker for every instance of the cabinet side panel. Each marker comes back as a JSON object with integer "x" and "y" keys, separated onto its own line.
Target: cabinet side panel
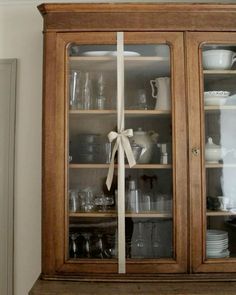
{"x": 50, "y": 157}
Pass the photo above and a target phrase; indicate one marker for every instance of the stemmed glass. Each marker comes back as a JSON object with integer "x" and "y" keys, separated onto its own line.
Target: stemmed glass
{"x": 75, "y": 80}
{"x": 97, "y": 245}
{"x": 138, "y": 245}
{"x": 87, "y": 245}
{"x": 155, "y": 241}
{"x": 100, "y": 103}
{"x": 74, "y": 251}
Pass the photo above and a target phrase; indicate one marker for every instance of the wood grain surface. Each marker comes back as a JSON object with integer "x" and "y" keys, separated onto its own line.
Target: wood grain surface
{"x": 175, "y": 288}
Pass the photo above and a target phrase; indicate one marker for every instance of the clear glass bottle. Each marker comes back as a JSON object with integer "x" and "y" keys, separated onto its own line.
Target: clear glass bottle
{"x": 133, "y": 198}
{"x": 87, "y": 92}
{"x": 100, "y": 102}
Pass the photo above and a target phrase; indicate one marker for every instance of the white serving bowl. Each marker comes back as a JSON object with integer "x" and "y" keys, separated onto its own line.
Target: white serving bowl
{"x": 218, "y": 59}
{"x": 216, "y": 94}
{"x": 215, "y": 98}
{"x": 215, "y": 101}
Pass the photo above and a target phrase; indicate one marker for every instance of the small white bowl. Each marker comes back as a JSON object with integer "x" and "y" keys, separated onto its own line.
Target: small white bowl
{"x": 218, "y": 59}
{"x": 215, "y": 101}
{"x": 216, "y": 94}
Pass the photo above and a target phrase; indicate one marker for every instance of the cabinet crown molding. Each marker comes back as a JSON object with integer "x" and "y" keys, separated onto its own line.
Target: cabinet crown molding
{"x": 138, "y": 17}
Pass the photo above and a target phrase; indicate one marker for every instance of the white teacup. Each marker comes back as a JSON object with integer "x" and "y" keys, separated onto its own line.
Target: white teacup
{"x": 218, "y": 59}
{"x": 220, "y": 203}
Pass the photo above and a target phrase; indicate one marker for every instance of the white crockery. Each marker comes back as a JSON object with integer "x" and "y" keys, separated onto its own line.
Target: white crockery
{"x": 218, "y": 59}
{"x": 215, "y": 101}
{"x": 213, "y": 152}
{"x": 216, "y": 94}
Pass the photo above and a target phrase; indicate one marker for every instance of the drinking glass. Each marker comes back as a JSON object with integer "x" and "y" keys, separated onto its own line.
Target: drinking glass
{"x": 86, "y": 95}
{"x": 73, "y": 201}
{"x": 73, "y": 245}
{"x": 86, "y": 245}
{"x": 75, "y": 80}
{"x": 138, "y": 243}
{"x": 100, "y": 101}
{"x": 86, "y": 201}
{"x": 142, "y": 99}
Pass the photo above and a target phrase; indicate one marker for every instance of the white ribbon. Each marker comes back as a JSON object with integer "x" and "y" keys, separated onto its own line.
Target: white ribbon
{"x": 122, "y": 141}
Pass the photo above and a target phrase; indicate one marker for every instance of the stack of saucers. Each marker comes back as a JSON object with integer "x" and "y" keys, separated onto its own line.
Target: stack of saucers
{"x": 217, "y": 242}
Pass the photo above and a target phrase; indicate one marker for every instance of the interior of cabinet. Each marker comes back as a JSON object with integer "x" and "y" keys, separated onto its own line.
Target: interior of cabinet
{"x": 154, "y": 220}
{"x": 219, "y": 124}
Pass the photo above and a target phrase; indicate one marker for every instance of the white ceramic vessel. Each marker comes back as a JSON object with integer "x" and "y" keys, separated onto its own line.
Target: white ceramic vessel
{"x": 218, "y": 59}
{"x": 147, "y": 140}
{"x": 213, "y": 152}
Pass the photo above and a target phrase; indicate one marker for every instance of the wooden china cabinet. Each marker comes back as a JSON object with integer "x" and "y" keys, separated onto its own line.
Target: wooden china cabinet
{"x": 160, "y": 80}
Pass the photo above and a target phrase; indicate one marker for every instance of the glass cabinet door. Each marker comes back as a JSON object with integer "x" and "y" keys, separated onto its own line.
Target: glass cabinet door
{"x": 152, "y": 224}
{"x": 217, "y": 70}
{"x": 91, "y": 234}
{"x": 149, "y": 186}
{"x": 155, "y": 218}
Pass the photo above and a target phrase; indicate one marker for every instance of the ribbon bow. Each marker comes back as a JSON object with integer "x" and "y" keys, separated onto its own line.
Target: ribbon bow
{"x": 122, "y": 141}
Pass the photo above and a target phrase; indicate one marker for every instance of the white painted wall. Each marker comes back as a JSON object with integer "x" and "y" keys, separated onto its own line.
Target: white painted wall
{"x": 21, "y": 38}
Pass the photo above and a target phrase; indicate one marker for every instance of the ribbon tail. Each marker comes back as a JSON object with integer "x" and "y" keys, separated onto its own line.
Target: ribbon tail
{"x": 128, "y": 151}
{"x": 111, "y": 167}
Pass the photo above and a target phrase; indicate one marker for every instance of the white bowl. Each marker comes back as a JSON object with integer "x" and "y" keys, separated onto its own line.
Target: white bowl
{"x": 216, "y": 94}
{"x": 218, "y": 59}
{"x": 214, "y": 101}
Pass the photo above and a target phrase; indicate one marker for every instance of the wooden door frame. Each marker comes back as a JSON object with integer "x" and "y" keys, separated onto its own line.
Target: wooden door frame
{"x": 54, "y": 162}
{"x": 194, "y": 41}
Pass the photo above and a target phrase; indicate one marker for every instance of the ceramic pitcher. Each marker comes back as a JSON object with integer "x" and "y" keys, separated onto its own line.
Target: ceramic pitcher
{"x": 161, "y": 91}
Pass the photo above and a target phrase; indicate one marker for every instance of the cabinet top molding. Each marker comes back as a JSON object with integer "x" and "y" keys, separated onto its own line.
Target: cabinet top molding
{"x": 134, "y": 7}
{"x": 61, "y": 17}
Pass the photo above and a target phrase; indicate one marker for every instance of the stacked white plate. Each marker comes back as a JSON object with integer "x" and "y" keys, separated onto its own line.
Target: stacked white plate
{"x": 217, "y": 243}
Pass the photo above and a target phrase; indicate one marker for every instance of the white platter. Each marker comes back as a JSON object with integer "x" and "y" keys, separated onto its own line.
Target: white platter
{"x": 108, "y": 53}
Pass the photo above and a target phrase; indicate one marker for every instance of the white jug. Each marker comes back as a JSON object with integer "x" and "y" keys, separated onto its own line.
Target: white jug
{"x": 162, "y": 85}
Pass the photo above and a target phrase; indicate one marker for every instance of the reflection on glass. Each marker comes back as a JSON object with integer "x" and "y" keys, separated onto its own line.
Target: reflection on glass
{"x": 149, "y": 192}
{"x": 220, "y": 148}
{"x": 147, "y": 89}
{"x": 91, "y": 116}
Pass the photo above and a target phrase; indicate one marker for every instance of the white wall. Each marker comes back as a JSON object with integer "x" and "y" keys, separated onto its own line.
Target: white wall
{"x": 21, "y": 38}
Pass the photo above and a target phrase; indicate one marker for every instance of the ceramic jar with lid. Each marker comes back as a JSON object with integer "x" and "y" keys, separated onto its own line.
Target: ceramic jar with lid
{"x": 213, "y": 152}
{"x": 147, "y": 140}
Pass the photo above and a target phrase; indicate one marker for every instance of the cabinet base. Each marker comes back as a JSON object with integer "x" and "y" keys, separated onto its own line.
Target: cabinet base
{"x": 172, "y": 287}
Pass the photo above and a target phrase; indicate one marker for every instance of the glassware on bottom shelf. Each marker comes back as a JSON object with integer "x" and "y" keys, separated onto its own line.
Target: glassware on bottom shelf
{"x": 149, "y": 239}
{"x": 92, "y": 245}
{"x": 138, "y": 242}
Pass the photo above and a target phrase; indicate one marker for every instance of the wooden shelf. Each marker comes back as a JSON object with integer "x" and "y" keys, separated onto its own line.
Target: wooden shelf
{"x": 92, "y": 112}
{"x": 219, "y": 72}
{"x": 220, "y": 213}
{"x": 219, "y": 165}
{"x": 106, "y": 166}
{"x": 143, "y": 113}
{"x": 129, "y": 113}
{"x": 220, "y": 108}
{"x": 148, "y": 215}
{"x": 113, "y": 58}
{"x": 94, "y": 214}
{"x": 109, "y": 214}
{"x": 132, "y": 63}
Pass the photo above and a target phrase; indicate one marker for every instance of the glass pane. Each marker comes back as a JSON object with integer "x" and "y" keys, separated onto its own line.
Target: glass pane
{"x": 92, "y": 218}
{"x": 220, "y": 149}
{"x": 149, "y": 185}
